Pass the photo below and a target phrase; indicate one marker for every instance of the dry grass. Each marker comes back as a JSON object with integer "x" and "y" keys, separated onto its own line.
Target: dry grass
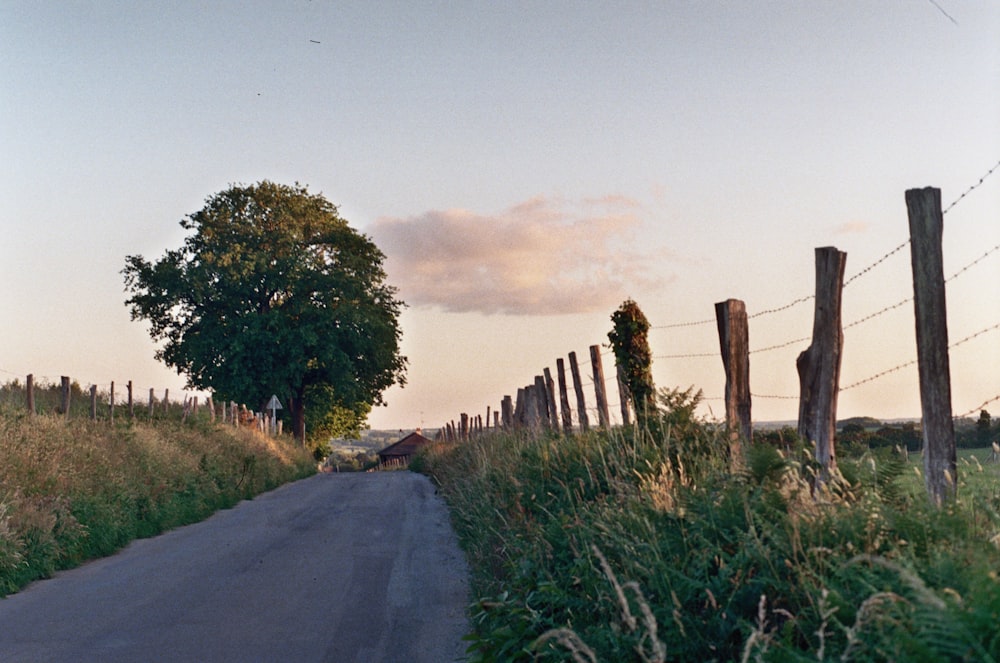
{"x": 72, "y": 490}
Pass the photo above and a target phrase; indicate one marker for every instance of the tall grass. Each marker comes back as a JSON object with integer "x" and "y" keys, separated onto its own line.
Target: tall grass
{"x": 642, "y": 546}
{"x": 75, "y": 490}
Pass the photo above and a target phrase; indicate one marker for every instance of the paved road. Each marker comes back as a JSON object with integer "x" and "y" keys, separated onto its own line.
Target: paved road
{"x": 338, "y": 567}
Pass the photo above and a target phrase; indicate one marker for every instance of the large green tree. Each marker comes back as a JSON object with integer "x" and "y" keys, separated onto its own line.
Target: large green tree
{"x": 274, "y": 293}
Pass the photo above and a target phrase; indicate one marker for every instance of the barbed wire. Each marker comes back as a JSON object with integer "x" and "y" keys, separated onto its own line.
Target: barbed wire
{"x": 972, "y": 188}
{"x": 774, "y": 397}
{"x": 914, "y": 361}
{"x": 872, "y": 316}
{"x": 853, "y": 278}
{"x": 973, "y": 263}
{"x": 876, "y": 263}
{"x": 780, "y": 345}
{"x": 684, "y": 324}
{"x": 979, "y": 407}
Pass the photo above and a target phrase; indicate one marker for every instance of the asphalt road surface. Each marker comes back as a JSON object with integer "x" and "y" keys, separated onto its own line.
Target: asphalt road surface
{"x": 338, "y": 567}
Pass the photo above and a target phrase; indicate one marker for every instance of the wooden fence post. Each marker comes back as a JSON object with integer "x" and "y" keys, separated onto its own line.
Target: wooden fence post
{"x": 926, "y": 222}
{"x": 550, "y": 395}
{"x": 166, "y": 401}
{"x": 111, "y": 403}
{"x": 29, "y": 390}
{"x": 521, "y": 413}
{"x": 581, "y": 404}
{"x": 93, "y": 402}
{"x": 532, "y": 414}
{"x": 819, "y": 365}
{"x": 567, "y": 416}
{"x": 623, "y": 395}
{"x": 465, "y": 426}
{"x": 731, "y": 317}
{"x": 507, "y": 409}
{"x": 603, "y": 416}
{"x": 152, "y": 400}
{"x": 64, "y": 394}
{"x": 542, "y": 403}
{"x": 131, "y": 407}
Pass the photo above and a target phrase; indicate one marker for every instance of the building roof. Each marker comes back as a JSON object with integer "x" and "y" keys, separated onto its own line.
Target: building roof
{"x": 406, "y": 446}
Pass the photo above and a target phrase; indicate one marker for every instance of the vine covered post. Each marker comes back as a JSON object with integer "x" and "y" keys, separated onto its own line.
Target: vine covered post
{"x": 630, "y": 343}
{"x": 731, "y": 316}
{"x": 926, "y": 228}
{"x": 819, "y": 364}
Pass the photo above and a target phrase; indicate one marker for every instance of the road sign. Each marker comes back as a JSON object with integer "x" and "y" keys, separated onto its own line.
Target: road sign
{"x": 274, "y": 404}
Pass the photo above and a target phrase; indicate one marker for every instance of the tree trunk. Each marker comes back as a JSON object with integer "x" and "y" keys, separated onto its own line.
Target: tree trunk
{"x": 297, "y": 408}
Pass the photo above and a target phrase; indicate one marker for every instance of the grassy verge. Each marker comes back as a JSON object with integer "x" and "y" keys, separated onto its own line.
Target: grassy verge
{"x": 644, "y": 546}
{"x": 75, "y": 490}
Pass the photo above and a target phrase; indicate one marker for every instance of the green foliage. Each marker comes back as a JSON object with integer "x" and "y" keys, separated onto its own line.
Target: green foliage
{"x": 72, "y": 491}
{"x": 642, "y": 546}
{"x": 630, "y": 344}
{"x": 273, "y": 293}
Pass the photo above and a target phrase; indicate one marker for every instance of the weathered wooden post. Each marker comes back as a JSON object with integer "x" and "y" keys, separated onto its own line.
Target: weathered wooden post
{"x": 731, "y": 317}
{"x": 64, "y": 395}
{"x": 550, "y": 395}
{"x": 581, "y": 404}
{"x": 29, "y": 392}
{"x": 623, "y": 395}
{"x": 166, "y": 401}
{"x": 465, "y": 426}
{"x": 603, "y": 416}
{"x": 541, "y": 410}
{"x": 519, "y": 408}
{"x": 152, "y": 401}
{"x": 111, "y": 403}
{"x": 819, "y": 364}
{"x": 926, "y": 221}
{"x": 93, "y": 402}
{"x": 534, "y": 403}
{"x": 507, "y": 410}
{"x": 131, "y": 407}
{"x": 567, "y": 417}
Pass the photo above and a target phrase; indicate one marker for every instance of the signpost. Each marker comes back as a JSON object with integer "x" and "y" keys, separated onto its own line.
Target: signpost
{"x": 273, "y": 405}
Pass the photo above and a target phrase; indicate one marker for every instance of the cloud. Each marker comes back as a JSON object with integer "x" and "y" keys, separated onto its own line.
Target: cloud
{"x": 539, "y": 257}
{"x": 852, "y": 227}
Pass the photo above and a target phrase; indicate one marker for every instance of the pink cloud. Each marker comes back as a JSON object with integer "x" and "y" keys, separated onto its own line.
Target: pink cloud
{"x": 535, "y": 258}
{"x": 852, "y": 227}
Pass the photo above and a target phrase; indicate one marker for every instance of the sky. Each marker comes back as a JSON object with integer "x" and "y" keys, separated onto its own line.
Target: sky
{"x": 525, "y": 167}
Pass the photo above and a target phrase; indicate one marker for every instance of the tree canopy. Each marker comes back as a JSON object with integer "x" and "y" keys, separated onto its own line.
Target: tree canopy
{"x": 274, "y": 293}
